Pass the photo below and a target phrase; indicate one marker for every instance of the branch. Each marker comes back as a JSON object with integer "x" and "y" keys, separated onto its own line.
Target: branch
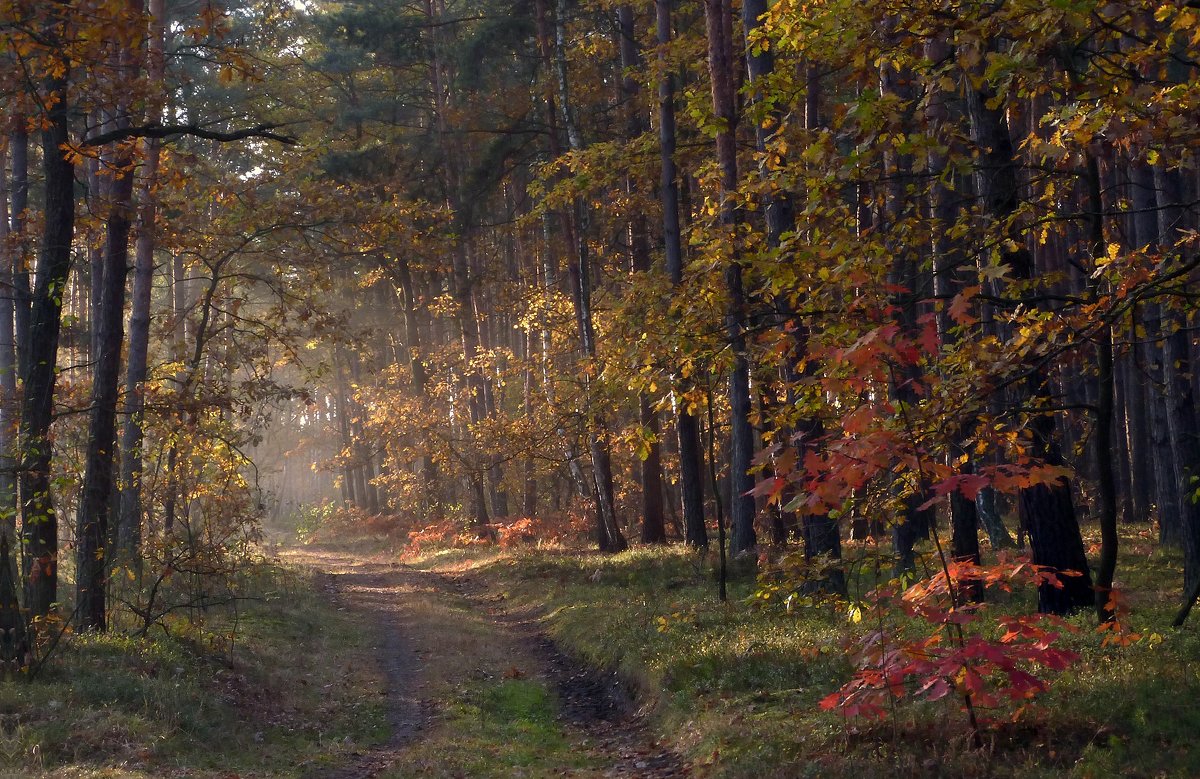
{"x": 169, "y": 130}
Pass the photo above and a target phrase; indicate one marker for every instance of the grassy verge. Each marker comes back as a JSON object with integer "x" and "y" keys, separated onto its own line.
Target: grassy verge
{"x": 737, "y": 687}
{"x": 290, "y": 683}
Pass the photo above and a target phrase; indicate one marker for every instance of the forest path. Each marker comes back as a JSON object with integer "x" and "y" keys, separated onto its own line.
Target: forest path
{"x": 476, "y": 689}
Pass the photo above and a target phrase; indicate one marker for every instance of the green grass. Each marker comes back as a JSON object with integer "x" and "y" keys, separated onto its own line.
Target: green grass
{"x": 291, "y": 685}
{"x": 290, "y": 682}
{"x": 498, "y": 728}
{"x": 737, "y": 686}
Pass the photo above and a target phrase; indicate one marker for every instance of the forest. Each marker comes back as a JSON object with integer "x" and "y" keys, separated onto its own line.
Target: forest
{"x": 599, "y": 388}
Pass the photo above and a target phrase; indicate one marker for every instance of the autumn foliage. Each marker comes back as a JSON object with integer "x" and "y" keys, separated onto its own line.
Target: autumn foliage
{"x": 924, "y": 641}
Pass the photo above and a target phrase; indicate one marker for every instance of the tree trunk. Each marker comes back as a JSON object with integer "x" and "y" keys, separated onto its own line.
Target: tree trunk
{"x": 1106, "y": 483}
{"x": 718, "y": 22}
{"x": 529, "y": 490}
{"x": 8, "y": 369}
{"x": 495, "y": 473}
{"x": 92, "y": 533}
{"x": 608, "y": 532}
{"x": 760, "y": 64}
{"x": 180, "y": 300}
{"x": 129, "y": 516}
{"x": 39, "y": 522}
{"x": 653, "y": 518}
{"x": 1181, "y": 419}
{"x": 821, "y": 533}
{"x": 687, "y": 426}
{"x": 418, "y": 375}
{"x": 947, "y": 258}
{"x": 342, "y": 409}
{"x": 22, "y": 294}
{"x": 1047, "y": 510}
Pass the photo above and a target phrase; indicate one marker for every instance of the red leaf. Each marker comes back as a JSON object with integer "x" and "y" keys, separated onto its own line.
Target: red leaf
{"x": 936, "y": 689}
{"x": 930, "y": 343}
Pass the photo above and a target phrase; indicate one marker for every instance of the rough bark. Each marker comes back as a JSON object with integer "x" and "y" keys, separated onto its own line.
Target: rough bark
{"x": 650, "y": 467}
{"x": 687, "y": 425}
{"x": 129, "y": 515}
{"x": 22, "y": 294}
{"x": 718, "y": 22}
{"x": 1182, "y": 424}
{"x": 39, "y": 521}
{"x": 821, "y": 533}
{"x": 1106, "y": 482}
{"x": 8, "y": 368}
{"x": 760, "y": 64}
{"x": 947, "y": 257}
{"x": 418, "y": 374}
{"x": 95, "y": 505}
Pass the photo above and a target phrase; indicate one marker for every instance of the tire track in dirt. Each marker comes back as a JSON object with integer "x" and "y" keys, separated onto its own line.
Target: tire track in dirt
{"x": 595, "y": 707}
{"x": 372, "y": 591}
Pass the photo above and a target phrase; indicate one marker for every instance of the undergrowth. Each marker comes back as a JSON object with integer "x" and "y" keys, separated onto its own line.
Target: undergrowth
{"x": 738, "y": 686}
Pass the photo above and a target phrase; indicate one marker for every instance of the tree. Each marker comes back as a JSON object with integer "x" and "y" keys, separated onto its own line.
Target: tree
{"x": 39, "y": 522}
{"x": 717, "y": 14}
{"x": 687, "y": 427}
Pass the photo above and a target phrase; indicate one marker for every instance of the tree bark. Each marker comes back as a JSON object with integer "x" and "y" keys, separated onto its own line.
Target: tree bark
{"x": 1182, "y": 424}
{"x": 760, "y": 64}
{"x": 947, "y": 258}
{"x": 8, "y": 368}
{"x": 650, "y": 467}
{"x": 418, "y": 375}
{"x": 92, "y": 526}
{"x": 22, "y": 294}
{"x": 607, "y": 530}
{"x": 129, "y": 516}
{"x": 718, "y": 22}
{"x": 1106, "y": 483}
{"x": 39, "y": 521}
{"x": 687, "y": 426}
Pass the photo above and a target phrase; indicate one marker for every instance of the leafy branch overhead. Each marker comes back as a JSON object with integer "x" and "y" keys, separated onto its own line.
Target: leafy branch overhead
{"x": 884, "y": 312}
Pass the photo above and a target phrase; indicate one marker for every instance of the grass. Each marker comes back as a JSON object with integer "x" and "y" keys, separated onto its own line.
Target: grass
{"x": 489, "y": 713}
{"x": 737, "y": 686}
{"x": 291, "y": 686}
{"x": 497, "y": 728}
{"x": 290, "y": 683}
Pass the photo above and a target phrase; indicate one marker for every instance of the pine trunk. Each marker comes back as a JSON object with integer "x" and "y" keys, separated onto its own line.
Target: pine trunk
{"x": 129, "y": 515}
{"x": 39, "y": 521}
{"x": 92, "y": 554}
{"x": 1047, "y": 510}
{"x": 687, "y": 426}
{"x": 718, "y": 21}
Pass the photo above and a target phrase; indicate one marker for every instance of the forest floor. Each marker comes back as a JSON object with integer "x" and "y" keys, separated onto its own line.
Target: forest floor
{"x": 546, "y": 661}
{"x": 340, "y": 664}
{"x": 734, "y": 687}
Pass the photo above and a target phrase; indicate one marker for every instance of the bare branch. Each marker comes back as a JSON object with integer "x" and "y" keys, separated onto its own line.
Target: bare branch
{"x": 195, "y": 130}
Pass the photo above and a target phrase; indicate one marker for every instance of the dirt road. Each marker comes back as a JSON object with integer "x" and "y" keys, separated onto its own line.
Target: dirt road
{"x": 475, "y": 689}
